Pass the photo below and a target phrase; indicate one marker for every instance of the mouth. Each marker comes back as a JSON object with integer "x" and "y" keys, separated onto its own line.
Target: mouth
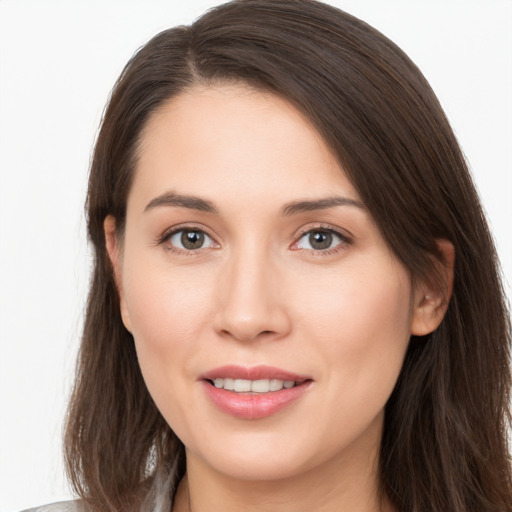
{"x": 255, "y": 392}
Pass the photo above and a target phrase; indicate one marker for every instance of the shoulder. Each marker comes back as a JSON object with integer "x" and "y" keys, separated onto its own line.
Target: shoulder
{"x": 61, "y": 506}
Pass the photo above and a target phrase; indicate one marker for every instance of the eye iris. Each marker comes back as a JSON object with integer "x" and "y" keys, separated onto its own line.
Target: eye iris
{"x": 320, "y": 240}
{"x": 192, "y": 239}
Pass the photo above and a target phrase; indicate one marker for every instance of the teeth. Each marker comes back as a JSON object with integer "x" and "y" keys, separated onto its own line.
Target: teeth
{"x": 260, "y": 386}
{"x": 242, "y": 385}
{"x": 254, "y": 386}
{"x": 275, "y": 385}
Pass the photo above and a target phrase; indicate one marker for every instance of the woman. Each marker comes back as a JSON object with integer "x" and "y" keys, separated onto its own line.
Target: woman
{"x": 295, "y": 303}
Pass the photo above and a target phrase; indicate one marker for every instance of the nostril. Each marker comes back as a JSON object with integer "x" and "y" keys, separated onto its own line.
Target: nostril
{"x": 237, "y": 333}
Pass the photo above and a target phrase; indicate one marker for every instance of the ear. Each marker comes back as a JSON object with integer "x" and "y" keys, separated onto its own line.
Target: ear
{"x": 431, "y": 302}
{"x": 115, "y": 254}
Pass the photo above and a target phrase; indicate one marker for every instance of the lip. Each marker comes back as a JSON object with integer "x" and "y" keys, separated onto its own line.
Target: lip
{"x": 253, "y": 406}
{"x": 252, "y": 373}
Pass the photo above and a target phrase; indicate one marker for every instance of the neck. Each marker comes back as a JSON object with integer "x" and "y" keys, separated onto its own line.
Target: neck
{"x": 347, "y": 483}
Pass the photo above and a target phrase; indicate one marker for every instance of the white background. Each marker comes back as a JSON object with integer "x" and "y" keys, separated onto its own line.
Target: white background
{"x": 58, "y": 61}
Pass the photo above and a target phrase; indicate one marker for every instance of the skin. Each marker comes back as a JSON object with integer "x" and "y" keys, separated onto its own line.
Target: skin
{"x": 258, "y": 292}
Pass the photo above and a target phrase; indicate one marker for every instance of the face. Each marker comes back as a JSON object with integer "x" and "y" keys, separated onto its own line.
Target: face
{"x": 270, "y": 317}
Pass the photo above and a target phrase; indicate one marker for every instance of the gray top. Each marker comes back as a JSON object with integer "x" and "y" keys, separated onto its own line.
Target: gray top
{"x": 61, "y": 506}
{"x": 158, "y": 499}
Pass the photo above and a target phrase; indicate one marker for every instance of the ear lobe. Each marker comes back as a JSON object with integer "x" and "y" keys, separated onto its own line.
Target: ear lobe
{"x": 114, "y": 253}
{"x": 430, "y": 302}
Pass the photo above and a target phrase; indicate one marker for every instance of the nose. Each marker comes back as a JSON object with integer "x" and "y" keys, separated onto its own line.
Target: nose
{"x": 251, "y": 303}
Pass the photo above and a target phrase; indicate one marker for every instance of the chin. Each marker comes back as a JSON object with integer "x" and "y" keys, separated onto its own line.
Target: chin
{"x": 260, "y": 467}
{"x": 267, "y": 456}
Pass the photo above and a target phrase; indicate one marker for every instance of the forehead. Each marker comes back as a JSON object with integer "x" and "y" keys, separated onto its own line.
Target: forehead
{"x": 232, "y": 141}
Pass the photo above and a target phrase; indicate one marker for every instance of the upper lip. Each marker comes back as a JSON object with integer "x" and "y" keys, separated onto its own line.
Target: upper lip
{"x": 252, "y": 373}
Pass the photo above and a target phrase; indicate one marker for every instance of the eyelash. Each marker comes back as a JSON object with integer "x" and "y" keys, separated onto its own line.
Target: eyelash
{"x": 345, "y": 240}
{"x": 167, "y": 235}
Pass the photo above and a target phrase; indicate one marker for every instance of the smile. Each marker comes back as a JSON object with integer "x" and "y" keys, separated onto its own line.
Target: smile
{"x": 253, "y": 386}
{"x": 253, "y": 393}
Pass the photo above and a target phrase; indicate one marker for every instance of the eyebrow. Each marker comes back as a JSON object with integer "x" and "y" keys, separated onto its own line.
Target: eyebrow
{"x": 293, "y": 208}
{"x": 320, "y": 204}
{"x": 174, "y": 199}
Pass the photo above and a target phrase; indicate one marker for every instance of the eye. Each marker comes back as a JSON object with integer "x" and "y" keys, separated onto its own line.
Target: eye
{"x": 320, "y": 240}
{"x": 189, "y": 240}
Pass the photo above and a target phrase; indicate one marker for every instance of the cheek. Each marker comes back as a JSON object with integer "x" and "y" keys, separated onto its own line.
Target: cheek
{"x": 169, "y": 311}
{"x": 366, "y": 303}
{"x": 165, "y": 305}
{"x": 356, "y": 327}
{"x": 360, "y": 322}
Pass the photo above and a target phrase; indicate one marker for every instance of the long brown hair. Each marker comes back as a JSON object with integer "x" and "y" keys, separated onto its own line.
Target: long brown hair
{"x": 444, "y": 443}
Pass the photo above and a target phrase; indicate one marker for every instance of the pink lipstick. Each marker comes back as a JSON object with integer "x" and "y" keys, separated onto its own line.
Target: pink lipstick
{"x": 254, "y": 392}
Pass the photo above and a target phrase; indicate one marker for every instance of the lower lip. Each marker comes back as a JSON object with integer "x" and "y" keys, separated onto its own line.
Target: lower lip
{"x": 254, "y": 406}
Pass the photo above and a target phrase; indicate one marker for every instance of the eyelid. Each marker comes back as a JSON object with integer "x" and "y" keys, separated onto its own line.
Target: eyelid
{"x": 171, "y": 231}
{"x": 346, "y": 238}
